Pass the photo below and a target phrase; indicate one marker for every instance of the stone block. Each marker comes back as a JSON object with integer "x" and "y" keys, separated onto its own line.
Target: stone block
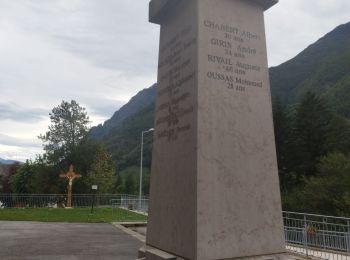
{"x": 214, "y": 183}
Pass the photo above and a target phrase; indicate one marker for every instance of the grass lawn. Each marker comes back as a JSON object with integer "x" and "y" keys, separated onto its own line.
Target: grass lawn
{"x": 100, "y": 215}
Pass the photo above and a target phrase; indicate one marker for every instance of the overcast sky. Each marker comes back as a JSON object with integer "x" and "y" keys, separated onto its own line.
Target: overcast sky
{"x": 102, "y": 52}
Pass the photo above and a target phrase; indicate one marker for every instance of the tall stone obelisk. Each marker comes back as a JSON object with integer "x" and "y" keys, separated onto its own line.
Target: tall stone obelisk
{"x": 214, "y": 183}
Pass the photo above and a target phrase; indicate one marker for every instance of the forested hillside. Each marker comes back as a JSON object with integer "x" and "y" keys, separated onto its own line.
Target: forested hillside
{"x": 323, "y": 68}
{"x": 141, "y": 100}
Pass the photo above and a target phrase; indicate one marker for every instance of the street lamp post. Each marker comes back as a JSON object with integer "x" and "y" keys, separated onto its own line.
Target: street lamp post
{"x": 141, "y": 159}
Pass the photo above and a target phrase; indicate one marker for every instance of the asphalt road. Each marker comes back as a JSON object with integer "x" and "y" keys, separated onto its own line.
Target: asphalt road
{"x": 45, "y": 241}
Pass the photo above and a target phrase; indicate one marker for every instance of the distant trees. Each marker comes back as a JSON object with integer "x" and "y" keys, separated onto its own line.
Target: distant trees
{"x": 310, "y": 140}
{"x": 20, "y": 182}
{"x": 310, "y": 133}
{"x": 328, "y": 192}
{"x": 36, "y": 177}
{"x": 6, "y": 171}
{"x": 283, "y": 138}
{"x": 129, "y": 182}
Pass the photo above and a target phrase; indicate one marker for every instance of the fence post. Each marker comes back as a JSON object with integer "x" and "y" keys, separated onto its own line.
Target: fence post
{"x": 348, "y": 237}
{"x": 323, "y": 232}
{"x": 305, "y": 236}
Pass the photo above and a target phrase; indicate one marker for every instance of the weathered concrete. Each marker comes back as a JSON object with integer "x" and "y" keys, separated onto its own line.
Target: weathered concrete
{"x": 63, "y": 241}
{"x": 214, "y": 183}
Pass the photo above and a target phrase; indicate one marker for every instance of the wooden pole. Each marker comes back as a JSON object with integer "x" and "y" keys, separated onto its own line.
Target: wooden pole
{"x": 69, "y": 199}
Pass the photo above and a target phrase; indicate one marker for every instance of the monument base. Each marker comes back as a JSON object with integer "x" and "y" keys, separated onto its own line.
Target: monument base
{"x": 150, "y": 253}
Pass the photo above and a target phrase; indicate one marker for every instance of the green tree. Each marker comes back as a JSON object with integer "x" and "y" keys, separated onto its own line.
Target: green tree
{"x": 328, "y": 193}
{"x": 45, "y": 180}
{"x": 9, "y": 170}
{"x": 36, "y": 177}
{"x": 283, "y": 135}
{"x": 20, "y": 181}
{"x": 129, "y": 181}
{"x": 339, "y": 135}
{"x": 130, "y": 185}
{"x": 312, "y": 133}
{"x": 102, "y": 173}
{"x": 69, "y": 125}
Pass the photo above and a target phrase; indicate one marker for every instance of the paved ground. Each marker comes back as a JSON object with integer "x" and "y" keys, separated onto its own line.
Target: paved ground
{"x": 46, "y": 241}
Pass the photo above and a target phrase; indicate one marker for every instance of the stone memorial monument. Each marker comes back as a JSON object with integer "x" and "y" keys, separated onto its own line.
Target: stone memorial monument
{"x": 214, "y": 183}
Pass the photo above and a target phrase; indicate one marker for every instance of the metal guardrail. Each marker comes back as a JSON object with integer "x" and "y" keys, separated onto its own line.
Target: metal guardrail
{"x": 59, "y": 200}
{"x": 133, "y": 204}
{"x": 320, "y": 236}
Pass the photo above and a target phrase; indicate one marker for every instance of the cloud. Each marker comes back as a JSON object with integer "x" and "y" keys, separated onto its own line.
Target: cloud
{"x": 292, "y": 25}
{"x": 19, "y": 142}
{"x": 13, "y": 111}
{"x": 49, "y": 54}
{"x": 18, "y": 153}
{"x": 100, "y": 33}
{"x": 105, "y": 108}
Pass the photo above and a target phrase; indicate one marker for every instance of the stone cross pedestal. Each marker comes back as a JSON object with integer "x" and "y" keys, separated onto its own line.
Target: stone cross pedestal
{"x": 214, "y": 183}
{"x": 70, "y": 175}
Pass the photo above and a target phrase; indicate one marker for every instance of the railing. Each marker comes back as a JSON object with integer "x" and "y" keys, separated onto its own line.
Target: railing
{"x": 320, "y": 236}
{"x": 59, "y": 200}
{"x": 134, "y": 204}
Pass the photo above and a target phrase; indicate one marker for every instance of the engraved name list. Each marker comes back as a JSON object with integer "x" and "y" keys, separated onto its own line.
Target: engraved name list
{"x": 176, "y": 76}
{"x": 233, "y": 62}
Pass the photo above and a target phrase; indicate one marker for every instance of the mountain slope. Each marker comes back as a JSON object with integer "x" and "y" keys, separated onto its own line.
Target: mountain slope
{"x": 323, "y": 67}
{"x": 141, "y": 100}
{"x": 121, "y": 134}
{"x": 123, "y": 141}
{"x": 7, "y": 162}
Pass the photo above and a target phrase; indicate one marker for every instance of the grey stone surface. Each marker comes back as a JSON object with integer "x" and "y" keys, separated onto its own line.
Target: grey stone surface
{"x": 214, "y": 183}
{"x": 266, "y": 4}
{"x": 63, "y": 241}
{"x": 172, "y": 214}
{"x": 159, "y": 9}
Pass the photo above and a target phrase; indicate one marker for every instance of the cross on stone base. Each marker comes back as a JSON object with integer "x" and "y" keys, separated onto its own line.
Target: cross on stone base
{"x": 70, "y": 175}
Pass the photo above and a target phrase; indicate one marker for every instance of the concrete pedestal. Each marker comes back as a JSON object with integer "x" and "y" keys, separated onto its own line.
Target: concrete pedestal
{"x": 214, "y": 183}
